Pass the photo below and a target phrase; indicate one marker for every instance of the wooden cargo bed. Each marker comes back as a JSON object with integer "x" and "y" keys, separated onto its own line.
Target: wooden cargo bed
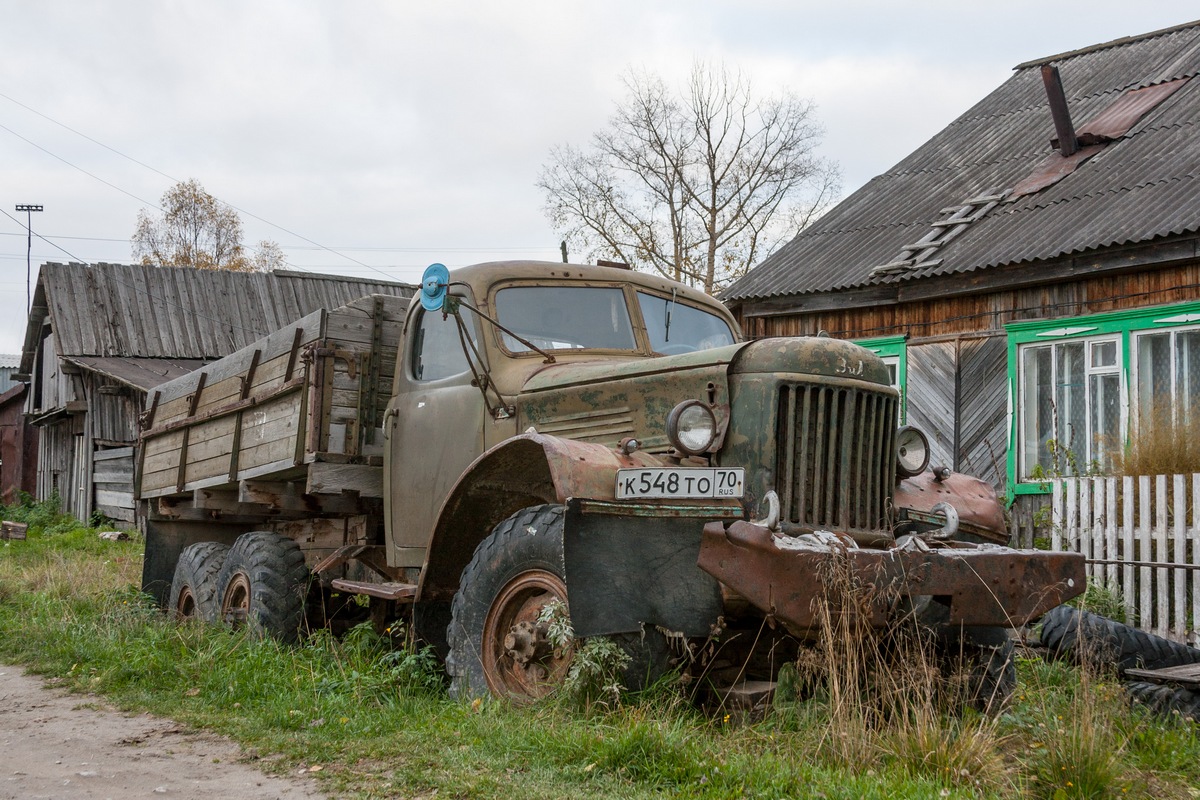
{"x": 295, "y": 416}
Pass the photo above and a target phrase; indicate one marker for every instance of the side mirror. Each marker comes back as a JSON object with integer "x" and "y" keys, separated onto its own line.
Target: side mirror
{"x": 433, "y": 287}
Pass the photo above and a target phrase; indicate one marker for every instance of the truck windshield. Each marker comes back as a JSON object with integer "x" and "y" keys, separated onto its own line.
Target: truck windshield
{"x": 678, "y": 328}
{"x": 565, "y": 317}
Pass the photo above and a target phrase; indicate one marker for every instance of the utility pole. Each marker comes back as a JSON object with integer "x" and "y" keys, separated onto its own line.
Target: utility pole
{"x": 28, "y": 209}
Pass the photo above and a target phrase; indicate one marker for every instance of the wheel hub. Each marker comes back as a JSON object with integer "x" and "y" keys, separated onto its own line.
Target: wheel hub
{"x": 528, "y": 643}
{"x": 519, "y": 659}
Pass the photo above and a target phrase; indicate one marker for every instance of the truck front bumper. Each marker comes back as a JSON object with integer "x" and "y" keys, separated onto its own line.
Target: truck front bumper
{"x": 792, "y": 579}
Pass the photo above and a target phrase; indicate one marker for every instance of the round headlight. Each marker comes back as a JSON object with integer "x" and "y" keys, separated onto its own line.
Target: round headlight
{"x": 691, "y": 427}
{"x": 912, "y": 451}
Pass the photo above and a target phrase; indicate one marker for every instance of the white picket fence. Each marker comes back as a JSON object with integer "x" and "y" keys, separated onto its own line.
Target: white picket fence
{"x": 1141, "y": 537}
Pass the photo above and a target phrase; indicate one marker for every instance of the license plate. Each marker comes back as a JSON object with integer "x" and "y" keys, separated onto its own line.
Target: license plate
{"x": 681, "y": 482}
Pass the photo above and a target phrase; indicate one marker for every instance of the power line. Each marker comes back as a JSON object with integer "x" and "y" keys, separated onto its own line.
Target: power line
{"x": 163, "y": 174}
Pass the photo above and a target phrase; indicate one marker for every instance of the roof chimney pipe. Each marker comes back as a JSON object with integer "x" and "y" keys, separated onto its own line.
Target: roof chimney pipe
{"x": 1068, "y": 142}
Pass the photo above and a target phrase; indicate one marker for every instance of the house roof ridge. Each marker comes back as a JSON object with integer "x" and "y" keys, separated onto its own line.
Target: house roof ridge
{"x": 1124, "y": 40}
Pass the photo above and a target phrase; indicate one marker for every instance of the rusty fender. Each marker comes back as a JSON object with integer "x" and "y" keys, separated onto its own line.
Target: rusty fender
{"x": 985, "y": 585}
{"x": 979, "y": 510}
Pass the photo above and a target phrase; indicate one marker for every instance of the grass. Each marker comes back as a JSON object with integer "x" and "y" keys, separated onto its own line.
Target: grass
{"x": 377, "y": 722}
{"x": 1162, "y": 446}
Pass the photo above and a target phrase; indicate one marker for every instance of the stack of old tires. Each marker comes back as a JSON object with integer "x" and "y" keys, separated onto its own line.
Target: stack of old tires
{"x": 1087, "y": 638}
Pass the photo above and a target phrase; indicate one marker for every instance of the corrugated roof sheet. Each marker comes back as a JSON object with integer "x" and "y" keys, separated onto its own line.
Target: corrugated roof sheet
{"x": 1142, "y": 186}
{"x": 136, "y": 311}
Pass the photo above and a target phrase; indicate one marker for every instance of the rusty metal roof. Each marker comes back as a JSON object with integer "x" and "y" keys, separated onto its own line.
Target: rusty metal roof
{"x": 1141, "y": 183}
{"x": 137, "y": 311}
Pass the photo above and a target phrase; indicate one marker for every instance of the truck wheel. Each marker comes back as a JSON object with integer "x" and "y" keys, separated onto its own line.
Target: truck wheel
{"x": 981, "y": 656}
{"x": 498, "y": 644}
{"x": 264, "y": 583}
{"x": 196, "y": 587}
{"x": 989, "y": 666}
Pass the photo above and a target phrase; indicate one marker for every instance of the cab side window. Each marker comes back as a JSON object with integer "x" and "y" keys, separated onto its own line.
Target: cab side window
{"x": 437, "y": 351}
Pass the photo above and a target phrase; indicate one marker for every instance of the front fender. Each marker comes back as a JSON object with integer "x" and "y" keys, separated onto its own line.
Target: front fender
{"x": 979, "y": 510}
{"x": 523, "y": 471}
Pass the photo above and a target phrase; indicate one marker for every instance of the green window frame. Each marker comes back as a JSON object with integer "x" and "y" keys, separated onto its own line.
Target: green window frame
{"x": 894, "y": 352}
{"x": 1041, "y": 352}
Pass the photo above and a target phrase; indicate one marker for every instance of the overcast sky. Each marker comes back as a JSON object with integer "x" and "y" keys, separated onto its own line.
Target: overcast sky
{"x": 402, "y": 133}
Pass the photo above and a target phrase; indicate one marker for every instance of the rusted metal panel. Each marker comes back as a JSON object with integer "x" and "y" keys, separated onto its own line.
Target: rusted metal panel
{"x": 788, "y": 579}
{"x": 979, "y": 510}
{"x": 1116, "y": 120}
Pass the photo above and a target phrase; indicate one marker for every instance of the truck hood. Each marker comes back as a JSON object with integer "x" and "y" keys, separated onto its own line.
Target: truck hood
{"x": 811, "y": 355}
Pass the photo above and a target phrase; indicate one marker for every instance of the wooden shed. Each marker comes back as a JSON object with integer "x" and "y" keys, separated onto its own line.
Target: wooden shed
{"x": 1032, "y": 271}
{"x": 101, "y": 336}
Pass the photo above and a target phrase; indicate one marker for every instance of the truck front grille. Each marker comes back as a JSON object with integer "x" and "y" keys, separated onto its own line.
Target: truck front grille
{"x": 836, "y": 457}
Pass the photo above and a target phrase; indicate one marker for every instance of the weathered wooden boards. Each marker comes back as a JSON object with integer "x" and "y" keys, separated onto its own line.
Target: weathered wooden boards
{"x": 312, "y": 393}
{"x": 12, "y": 530}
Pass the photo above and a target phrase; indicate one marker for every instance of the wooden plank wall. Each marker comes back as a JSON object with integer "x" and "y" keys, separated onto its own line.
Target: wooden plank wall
{"x": 112, "y": 479}
{"x": 55, "y": 457}
{"x": 229, "y": 444}
{"x": 931, "y": 397}
{"x": 365, "y": 393}
{"x": 983, "y": 408}
{"x": 985, "y": 312}
{"x": 333, "y": 404}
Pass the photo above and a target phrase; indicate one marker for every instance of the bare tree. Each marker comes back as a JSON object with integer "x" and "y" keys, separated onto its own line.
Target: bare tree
{"x": 197, "y": 230}
{"x": 696, "y": 186}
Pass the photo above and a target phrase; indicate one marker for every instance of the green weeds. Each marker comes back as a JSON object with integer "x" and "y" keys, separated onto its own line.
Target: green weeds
{"x": 377, "y": 720}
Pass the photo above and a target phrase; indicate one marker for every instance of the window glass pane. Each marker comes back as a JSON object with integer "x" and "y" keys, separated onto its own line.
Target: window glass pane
{"x": 1070, "y": 431}
{"x": 1105, "y": 422}
{"x": 437, "y": 350}
{"x": 565, "y": 317}
{"x": 1037, "y": 407}
{"x": 677, "y": 328}
{"x": 1104, "y": 354}
{"x": 1154, "y": 378}
{"x": 1187, "y": 375}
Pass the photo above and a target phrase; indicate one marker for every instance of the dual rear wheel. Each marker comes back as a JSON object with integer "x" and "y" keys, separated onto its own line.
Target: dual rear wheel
{"x": 259, "y": 583}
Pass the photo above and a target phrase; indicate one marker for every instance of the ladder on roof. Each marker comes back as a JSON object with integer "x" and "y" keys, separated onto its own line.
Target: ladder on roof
{"x": 956, "y": 219}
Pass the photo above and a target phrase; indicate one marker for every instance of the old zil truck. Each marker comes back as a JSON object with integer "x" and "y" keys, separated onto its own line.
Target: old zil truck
{"x": 524, "y": 446}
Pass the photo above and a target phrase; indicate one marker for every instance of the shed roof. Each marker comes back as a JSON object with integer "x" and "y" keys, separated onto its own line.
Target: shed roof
{"x": 170, "y": 313}
{"x": 1022, "y": 201}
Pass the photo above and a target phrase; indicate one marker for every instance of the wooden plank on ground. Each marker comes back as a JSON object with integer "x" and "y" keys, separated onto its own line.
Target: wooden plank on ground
{"x": 1186, "y": 674}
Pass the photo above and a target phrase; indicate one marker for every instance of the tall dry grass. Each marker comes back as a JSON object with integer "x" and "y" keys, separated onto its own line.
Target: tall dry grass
{"x": 1162, "y": 446}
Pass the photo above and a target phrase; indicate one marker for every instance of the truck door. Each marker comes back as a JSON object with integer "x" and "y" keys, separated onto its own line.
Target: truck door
{"x": 434, "y": 430}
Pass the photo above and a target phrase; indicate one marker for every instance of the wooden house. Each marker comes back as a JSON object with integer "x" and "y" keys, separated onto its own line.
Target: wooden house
{"x": 18, "y": 446}
{"x": 101, "y": 336}
{"x": 1031, "y": 272}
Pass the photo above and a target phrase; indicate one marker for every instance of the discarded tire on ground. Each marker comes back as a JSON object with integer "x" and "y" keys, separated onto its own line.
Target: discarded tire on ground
{"x": 1098, "y": 641}
{"x": 264, "y": 584}
{"x": 196, "y": 587}
{"x": 1165, "y": 700}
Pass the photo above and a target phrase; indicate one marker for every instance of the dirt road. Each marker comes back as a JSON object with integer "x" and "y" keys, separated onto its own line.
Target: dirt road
{"x": 74, "y": 747}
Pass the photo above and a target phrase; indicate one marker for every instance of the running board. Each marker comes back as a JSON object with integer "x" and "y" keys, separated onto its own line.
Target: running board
{"x": 404, "y": 592}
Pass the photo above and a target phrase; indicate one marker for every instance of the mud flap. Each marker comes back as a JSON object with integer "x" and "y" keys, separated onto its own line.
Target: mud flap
{"x": 625, "y": 571}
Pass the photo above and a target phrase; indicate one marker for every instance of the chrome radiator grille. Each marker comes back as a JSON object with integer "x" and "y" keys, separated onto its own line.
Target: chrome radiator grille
{"x": 836, "y": 457}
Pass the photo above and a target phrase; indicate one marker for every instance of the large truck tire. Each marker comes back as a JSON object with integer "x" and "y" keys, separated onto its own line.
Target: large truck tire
{"x": 992, "y": 675}
{"x": 196, "y": 587}
{"x": 1165, "y": 700}
{"x": 980, "y": 656}
{"x": 497, "y": 645}
{"x": 1084, "y": 637}
{"x": 514, "y": 574}
{"x": 264, "y": 584}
